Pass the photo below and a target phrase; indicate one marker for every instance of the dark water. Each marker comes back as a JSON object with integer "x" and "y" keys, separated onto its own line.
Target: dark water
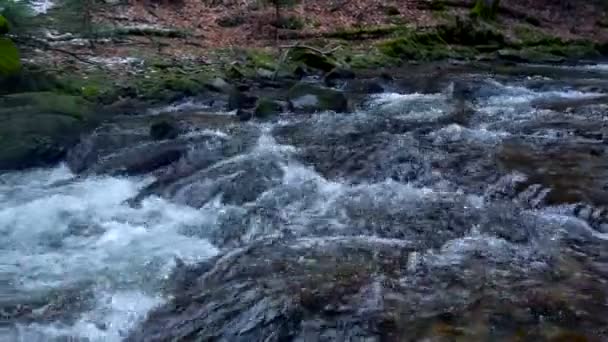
{"x": 473, "y": 213}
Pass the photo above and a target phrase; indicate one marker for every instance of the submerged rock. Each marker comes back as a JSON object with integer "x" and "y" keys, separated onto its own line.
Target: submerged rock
{"x": 240, "y": 100}
{"x": 334, "y": 289}
{"x": 310, "y": 98}
{"x": 164, "y": 130}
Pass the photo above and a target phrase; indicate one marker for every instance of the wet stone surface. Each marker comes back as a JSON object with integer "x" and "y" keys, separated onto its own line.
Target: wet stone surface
{"x": 456, "y": 207}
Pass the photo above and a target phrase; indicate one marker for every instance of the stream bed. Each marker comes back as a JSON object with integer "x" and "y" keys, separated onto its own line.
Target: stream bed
{"x": 474, "y": 211}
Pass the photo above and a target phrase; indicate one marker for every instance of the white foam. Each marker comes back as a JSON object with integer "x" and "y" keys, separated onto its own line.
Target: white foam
{"x": 56, "y": 235}
{"x": 182, "y": 106}
{"x": 411, "y": 106}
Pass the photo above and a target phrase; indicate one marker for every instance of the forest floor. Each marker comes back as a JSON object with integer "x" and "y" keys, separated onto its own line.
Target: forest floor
{"x": 212, "y": 25}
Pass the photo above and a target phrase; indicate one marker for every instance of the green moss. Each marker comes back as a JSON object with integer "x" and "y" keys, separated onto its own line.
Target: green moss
{"x": 532, "y": 36}
{"x": 4, "y": 26}
{"x": 261, "y": 59}
{"x": 312, "y": 59}
{"x": 372, "y": 59}
{"x": 48, "y": 102}
{"x": 426, "y": 46}
{"x": 456, "y": 39}
{"x": 10, "y": 63}
{"x": 483, "y": 11}
{"x": 90, "y": 92}
{"x": 266, "y": 108}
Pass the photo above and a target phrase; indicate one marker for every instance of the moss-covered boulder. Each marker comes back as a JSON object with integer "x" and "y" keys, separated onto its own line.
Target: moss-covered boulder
{"x": 10, "y": 63}
{"x": 310, "y": 98}
{"x": 4, "y": 25}
{"x": 267, "y": 108}
{"x": 312, "y": 59}
{"x": 35, "y": 140}
{"x": 46, "y": 102}
{"x": 36, "y": 129}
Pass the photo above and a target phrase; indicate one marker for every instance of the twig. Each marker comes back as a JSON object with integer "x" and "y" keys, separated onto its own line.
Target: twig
{"x": 287, "y": 48}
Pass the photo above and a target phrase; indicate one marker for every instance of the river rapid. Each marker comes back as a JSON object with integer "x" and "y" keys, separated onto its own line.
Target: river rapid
{"x": 472, "y": 210}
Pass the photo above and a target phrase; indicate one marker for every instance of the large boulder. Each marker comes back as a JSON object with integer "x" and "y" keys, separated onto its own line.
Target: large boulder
{"x": 266, "y": 108}
{"x": 312, "y": 59}
{"x": 36, "y": 129}
{"x": 240, "y": 100}
{"x": 310, "y": 98}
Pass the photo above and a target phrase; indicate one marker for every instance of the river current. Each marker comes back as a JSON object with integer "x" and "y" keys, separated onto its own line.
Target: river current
{"x": 473, "y": 217}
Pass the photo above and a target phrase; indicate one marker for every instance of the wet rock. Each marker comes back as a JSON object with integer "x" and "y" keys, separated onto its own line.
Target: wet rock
{"x": 163, "y": 130}
{"x": 310, "y": 98}
{"x": 568, "y": 169}
{"x": 244, "y": 114}
{"x": 562, "y": 104}
{"x": 239, "y": 100}
{"x": 64, "y": 305}
{"x": 346, "y": 289}
{"x": 238, "y": 181}
{"x": 38, "y": 128}
{"x": 219, "y": 85}
{"x": 140, "y": 159}
{"x": 364, "y": 86}
{"x": 528, "y": 56}
{"x": 104, "y": 141}
{"x": 265, "y": 73}
{"x": 338, "y": 74}
{"x": 266, "y": 108}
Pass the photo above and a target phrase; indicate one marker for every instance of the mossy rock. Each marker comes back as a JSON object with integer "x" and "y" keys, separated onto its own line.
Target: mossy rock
{"x": 10, "y": 63}
{"x": 485, "y": 9}
{"x": 409, "y": 48}
{"x": 529, "y": 55}
{"x": 4, "y": 25}
{"x": 312, "y": 59}
{"x": 310, "y": 98}
{"x": 532, "y": 36}
{"x": 35, "y": 139}
{"x": 47, "y": 102}
{"x": 266, "y": 108}
{"x": 469, "y": 33}
{"x": 28, "y": 80}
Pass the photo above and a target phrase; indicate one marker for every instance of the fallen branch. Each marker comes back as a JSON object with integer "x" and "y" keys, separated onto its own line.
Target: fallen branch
{"x": 287, "y": 48}
{"x": 297, "y": 45}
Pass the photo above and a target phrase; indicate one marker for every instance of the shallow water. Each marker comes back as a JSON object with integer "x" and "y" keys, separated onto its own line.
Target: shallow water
{"x": 496, "y": 217}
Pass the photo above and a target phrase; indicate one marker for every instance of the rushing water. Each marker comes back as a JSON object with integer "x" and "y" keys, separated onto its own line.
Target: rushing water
{"x": 494, "y": 218}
